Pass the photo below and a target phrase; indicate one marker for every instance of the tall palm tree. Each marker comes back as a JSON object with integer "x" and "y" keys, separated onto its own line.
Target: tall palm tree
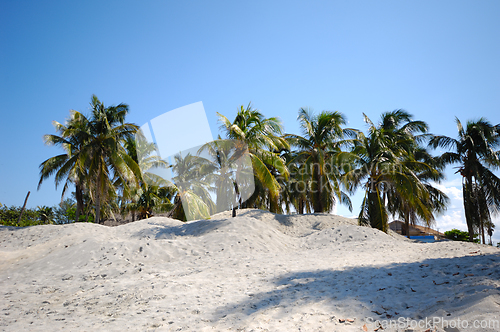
{"x": 104, "y": 154}
{"x": 316, "y": 157}
{"x": 475, "y": 151}
{"x": 386, "y": 166}
{"x": 263, "y": 139}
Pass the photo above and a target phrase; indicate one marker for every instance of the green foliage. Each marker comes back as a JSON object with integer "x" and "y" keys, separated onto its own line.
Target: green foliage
{"x": 152, "y": 198}
{"x": 64, "y": 213}
{"x": 191, "y": 188}
{"x": 95, "y": 158}
{"x": 458, "y": 235}
{"x": 108, "y": 165}
{"x": 31, "y": 217}
{"x": 395, "y": 171}
{"x": 46, "y": 214}
{"x": 263, "y": 137}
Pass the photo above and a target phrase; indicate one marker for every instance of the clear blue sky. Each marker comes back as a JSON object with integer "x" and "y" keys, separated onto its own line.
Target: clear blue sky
{"x": 435, "y": 59}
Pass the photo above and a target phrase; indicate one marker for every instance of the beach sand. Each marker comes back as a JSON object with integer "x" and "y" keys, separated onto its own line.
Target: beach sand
{"x": 256, "y": 272}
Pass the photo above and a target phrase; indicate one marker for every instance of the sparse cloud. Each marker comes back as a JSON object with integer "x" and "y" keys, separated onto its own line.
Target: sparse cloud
{"x": 454, "y": 217}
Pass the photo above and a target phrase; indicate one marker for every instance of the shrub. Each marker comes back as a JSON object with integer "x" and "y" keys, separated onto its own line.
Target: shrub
{"x": 458, "y": 235}
{"x": 10, "y": 215}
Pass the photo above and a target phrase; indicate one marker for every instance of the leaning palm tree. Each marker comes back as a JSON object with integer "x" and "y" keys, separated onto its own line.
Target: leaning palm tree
{"x": 475, "y": 151}
{"x": 388, "y": 170}
{"x": 263, "y": 138}
{"x": 68, "y": 167}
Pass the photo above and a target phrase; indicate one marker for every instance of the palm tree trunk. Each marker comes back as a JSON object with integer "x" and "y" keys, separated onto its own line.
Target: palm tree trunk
{"x": 481, "y": 207}
{"x": 98, "y": 210}
{"x": 316, "y": 187}
{"x": 407, "y": 223}
{"x": 377, "y": 211}
{"x": 98, "y": 201}
{"x": 468, "y": 200}
{"x": 301, "y": 206}
{"x": 238, "y": 202}
{"x": 79, "y": 201}
{"x": 482, "y": 231}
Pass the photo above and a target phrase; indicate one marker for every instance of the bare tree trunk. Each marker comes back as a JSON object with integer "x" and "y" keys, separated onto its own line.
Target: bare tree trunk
{"x": 24, "y": 206}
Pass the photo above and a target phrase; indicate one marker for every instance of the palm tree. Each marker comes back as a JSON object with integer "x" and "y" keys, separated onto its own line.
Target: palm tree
{"x": 475, "y": 152}
{"x": 46, "y": 214}
{"x": 145, "y": 155}
{"x": 427, "y": 200}
{"x": 263, "y": 139}
{"x": 385, "y": 164}
{"x": 94, "y": 154}
{"x": 152, "y": 198}
{"x": 295, "y": 191}
{"x": 68, "y": 167}
{"x": 315, "y": 160}
{"x": 231, "y": 173}
{"x": 104, "y": 154}
{"x": 191, "y": 188}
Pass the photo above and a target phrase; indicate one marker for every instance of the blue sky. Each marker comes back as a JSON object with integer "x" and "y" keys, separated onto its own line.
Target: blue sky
{"x": 435, "y": 59}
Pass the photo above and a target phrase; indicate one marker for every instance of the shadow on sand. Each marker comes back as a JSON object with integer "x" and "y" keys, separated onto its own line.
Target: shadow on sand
{"x": 381, "y": 292}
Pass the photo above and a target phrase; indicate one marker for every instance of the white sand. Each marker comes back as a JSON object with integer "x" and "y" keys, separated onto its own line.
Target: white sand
{"x": 256, "y": 272}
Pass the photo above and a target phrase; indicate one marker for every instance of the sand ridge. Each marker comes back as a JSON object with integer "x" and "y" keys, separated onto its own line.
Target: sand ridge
{"x": 256, "y": 272}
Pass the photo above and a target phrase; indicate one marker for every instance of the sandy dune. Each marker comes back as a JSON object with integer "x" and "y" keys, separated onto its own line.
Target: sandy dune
{"x": 256, "y": 272}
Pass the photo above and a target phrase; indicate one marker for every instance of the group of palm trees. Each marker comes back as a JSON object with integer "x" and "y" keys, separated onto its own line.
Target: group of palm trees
{"x": 112, "y": 168}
